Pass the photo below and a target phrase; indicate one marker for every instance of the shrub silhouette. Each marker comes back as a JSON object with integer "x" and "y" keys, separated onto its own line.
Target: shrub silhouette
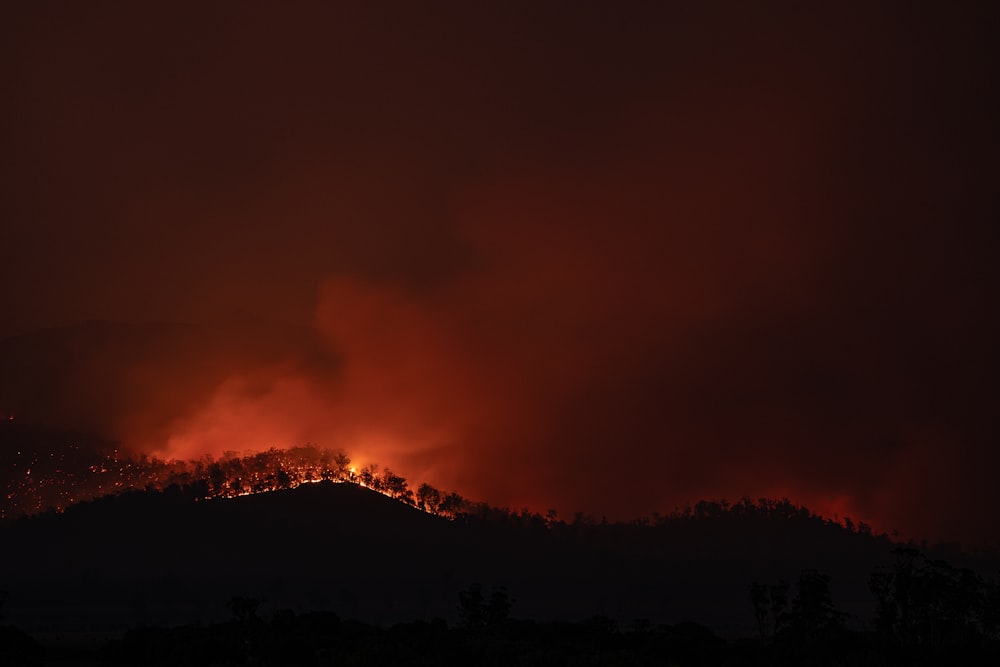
{"x": 923, "y": 602}
{"x": 808, "y": 617}
{"x": 813, "y": 615}
{"x": 476, "y": 612}
{"x": 244, "y": 609}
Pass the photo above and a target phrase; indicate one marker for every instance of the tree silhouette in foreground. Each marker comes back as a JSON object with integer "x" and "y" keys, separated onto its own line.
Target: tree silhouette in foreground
{"x": 770, "y": 603}
{"x": 244, "y": 609}
{"x": 808, "y": 617}
{"x": 924, "y": 602}
{"x": 477, "y": 612}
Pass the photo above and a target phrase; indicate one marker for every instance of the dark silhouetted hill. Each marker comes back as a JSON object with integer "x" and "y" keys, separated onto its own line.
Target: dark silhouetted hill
{"x": 162, "y": 558}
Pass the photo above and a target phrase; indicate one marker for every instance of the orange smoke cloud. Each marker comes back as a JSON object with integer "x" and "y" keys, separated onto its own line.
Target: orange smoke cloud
{"x": 649, "y": 256}
{"x": 545, "y": 371}
{"x": 616, "y": 344}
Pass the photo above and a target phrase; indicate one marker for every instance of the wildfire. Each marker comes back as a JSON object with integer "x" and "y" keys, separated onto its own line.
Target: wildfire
{"x": 39, "y": 483}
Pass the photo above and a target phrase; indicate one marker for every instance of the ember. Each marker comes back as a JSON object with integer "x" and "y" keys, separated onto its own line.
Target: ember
{"x": 39, "y": 482}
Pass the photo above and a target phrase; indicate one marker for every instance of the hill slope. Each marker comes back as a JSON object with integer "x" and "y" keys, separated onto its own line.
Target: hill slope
{"x": 161, "y": 558}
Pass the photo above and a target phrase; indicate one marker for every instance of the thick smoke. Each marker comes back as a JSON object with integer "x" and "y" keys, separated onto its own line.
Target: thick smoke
{"x": 602, "y": 258}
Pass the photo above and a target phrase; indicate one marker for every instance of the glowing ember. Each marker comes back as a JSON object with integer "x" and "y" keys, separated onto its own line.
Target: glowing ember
{"x": 41, "y": 482}
{"x": 51, "y": 481}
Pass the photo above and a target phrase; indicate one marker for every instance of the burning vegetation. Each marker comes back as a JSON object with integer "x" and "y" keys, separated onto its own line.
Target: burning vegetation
{"x": 40, "y": 480}
{"x": 52, "y": 480}
{"x": 45, "y": 471}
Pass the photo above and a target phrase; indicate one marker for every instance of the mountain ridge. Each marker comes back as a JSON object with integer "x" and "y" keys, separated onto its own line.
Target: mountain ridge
{"x": 161, "y": 557}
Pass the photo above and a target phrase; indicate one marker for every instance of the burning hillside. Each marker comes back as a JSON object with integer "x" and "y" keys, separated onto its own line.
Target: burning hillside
{"x": 37, "y": 480}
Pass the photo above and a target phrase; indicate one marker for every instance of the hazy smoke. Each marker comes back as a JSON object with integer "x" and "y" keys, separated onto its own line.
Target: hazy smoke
{"x": 607, "y": 259}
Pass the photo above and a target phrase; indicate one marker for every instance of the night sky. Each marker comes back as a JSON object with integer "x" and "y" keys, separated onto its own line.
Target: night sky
{"x": 598, "y": 256}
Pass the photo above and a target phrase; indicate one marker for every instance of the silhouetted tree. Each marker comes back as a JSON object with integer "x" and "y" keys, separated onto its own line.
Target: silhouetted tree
{"x": 813, "y": 614}
{"x": 244, "y": 609}
{"x": 929, "y": 602}
{"x": 428, "y": 498}
{"x": 369, "y": 476}
{"x": 770, "y": 603}
{"x": 451, "y": 505}
{"x": 395, "y": 486}
{"x": 810, "y": 616}
{"x": 216, "y": 478}
{"x": 475, "y": 612}
{"x": 470, "y": 607}
{"x": 342, "y": 465}
{"x": 498, "y": 608}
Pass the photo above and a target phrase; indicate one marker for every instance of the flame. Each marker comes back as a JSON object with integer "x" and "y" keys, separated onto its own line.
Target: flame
{"x": 64, "y": 480}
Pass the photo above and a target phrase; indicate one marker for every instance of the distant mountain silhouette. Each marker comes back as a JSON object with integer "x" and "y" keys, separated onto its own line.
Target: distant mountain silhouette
{"x": 161, "y": 558}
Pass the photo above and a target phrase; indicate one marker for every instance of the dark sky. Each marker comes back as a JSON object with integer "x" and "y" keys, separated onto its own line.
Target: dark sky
{"x": 598, "y": 256}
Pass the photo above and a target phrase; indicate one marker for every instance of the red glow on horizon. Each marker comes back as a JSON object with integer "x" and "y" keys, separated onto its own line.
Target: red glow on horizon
{"x": 59, "y": 485}
{"x": 656, "y": 253}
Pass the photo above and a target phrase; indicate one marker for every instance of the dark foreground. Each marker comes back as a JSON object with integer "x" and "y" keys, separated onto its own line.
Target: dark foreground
{"x": 320, "y": 638}
{"x": 143, "y": 579}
